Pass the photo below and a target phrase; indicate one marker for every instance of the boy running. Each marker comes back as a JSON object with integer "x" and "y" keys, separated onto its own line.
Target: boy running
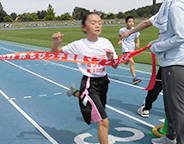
{"x": 128, "y": 45}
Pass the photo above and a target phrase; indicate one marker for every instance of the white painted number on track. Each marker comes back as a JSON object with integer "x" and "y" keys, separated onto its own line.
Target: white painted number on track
{"x": 112, "y": 139}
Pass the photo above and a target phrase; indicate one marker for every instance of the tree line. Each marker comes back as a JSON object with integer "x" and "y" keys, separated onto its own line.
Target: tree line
{"x": 49, "y": 14}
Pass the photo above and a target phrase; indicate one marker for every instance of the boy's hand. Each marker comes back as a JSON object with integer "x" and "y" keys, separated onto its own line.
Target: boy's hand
{"x": 120, "y": 42}
{"x": 57, "y": 38}
{"x": 137, "y": 45}
{"x": 109, "y": 54}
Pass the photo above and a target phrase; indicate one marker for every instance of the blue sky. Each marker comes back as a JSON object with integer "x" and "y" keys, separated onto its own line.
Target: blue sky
{"x": 63, "y": 6}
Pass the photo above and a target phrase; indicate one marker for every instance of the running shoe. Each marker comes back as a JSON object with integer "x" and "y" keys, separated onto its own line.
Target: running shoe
{"x": 143, "y": 113}
{"x": 73, "y": 88}
{"x": 163, "y": 140}
{"x": 136, "y": 80}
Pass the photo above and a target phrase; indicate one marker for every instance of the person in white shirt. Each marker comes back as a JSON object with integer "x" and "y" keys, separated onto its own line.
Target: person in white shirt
{"x": 94, "y": 84}
{"x": 128, "y": 45}
{"x": 169, "y": 49}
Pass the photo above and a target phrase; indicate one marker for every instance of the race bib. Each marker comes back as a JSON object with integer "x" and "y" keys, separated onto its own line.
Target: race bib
{"x": 95, "y": 68}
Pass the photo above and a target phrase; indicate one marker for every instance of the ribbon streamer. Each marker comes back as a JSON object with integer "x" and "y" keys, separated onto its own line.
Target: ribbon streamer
{"x": 153, "y": 75}
{"x": 55, "y": 56}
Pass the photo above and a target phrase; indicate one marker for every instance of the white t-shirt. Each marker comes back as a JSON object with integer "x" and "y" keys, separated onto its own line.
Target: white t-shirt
{"x": 92, "y": 49}
{"x": 128, "y": 45}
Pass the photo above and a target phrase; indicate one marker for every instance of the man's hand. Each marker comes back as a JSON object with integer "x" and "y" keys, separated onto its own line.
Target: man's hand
{"x": 125, "y": 35}
{"x": 150, "y": 44}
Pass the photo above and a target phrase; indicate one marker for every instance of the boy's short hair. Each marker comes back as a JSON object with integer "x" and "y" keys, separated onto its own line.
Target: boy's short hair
{"x": 128, "y": 17}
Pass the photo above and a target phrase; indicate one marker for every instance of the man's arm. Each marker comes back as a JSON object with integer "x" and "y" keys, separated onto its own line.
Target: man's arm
{"x": 143, "y": 25}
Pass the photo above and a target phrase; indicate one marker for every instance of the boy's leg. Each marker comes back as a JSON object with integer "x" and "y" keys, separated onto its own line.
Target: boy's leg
{"x": 73, "y": 90}
{"x": 76, "y": 94}
{"x": 127, "y": 62}
{"x": 103, "y": 131}
{"x": 132, "y": 68}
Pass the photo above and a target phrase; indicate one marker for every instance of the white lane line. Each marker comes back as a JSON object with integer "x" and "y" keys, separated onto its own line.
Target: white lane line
{"x": 150, "y": 125}
{"x": 27, "y": 97}
{"x": 127, "y": 84}
{"x": 58, "y": 93}
{"x": 42, "y": 95}
{"x": 30, "y": 119}
{"x": 12, "y": 98}
{"x": 162, "y": 120}
{"x": 131, "y": 117}
{"x": 51, "y": 81}
{"x": 68, "y": 67}
{"x": 7, "y": 49}
{"x": 131, "y": 85}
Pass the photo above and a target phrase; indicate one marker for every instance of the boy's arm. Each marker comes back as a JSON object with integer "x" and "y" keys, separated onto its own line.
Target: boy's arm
{"x": 119, "y": 37}
{"x": 120, "y": 40}
{"x": 137, "y": 42}
{"x": 57, "y": 39}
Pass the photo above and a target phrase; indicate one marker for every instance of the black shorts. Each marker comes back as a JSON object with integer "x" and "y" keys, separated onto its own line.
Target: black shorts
{"x": 93, "y": 97}
{"x": 125, "y": 52}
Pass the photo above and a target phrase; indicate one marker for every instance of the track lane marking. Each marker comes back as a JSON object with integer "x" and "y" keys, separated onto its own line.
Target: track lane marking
{"x": 33, "y": 73}
{"x": 29, "y": 119}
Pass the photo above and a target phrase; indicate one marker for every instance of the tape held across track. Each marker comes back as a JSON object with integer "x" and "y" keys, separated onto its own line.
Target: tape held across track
{"x": 55, "y": 56}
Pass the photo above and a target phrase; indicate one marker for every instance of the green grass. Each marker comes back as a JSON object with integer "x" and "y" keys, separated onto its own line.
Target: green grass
{"x": 43, "y": 37}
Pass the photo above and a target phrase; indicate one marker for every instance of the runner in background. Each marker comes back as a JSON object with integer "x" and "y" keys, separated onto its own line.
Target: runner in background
{"x": 128, "y": 45}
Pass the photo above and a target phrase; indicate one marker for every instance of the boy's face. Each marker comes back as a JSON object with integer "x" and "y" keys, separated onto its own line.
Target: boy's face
{"x": 130, "y": 23}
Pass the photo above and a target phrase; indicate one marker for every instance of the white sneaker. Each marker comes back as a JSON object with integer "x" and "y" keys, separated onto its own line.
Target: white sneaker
{"x": 143, "y": 113}
{"x": 163, "y": 140}
{"x": 73, "y": 88}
